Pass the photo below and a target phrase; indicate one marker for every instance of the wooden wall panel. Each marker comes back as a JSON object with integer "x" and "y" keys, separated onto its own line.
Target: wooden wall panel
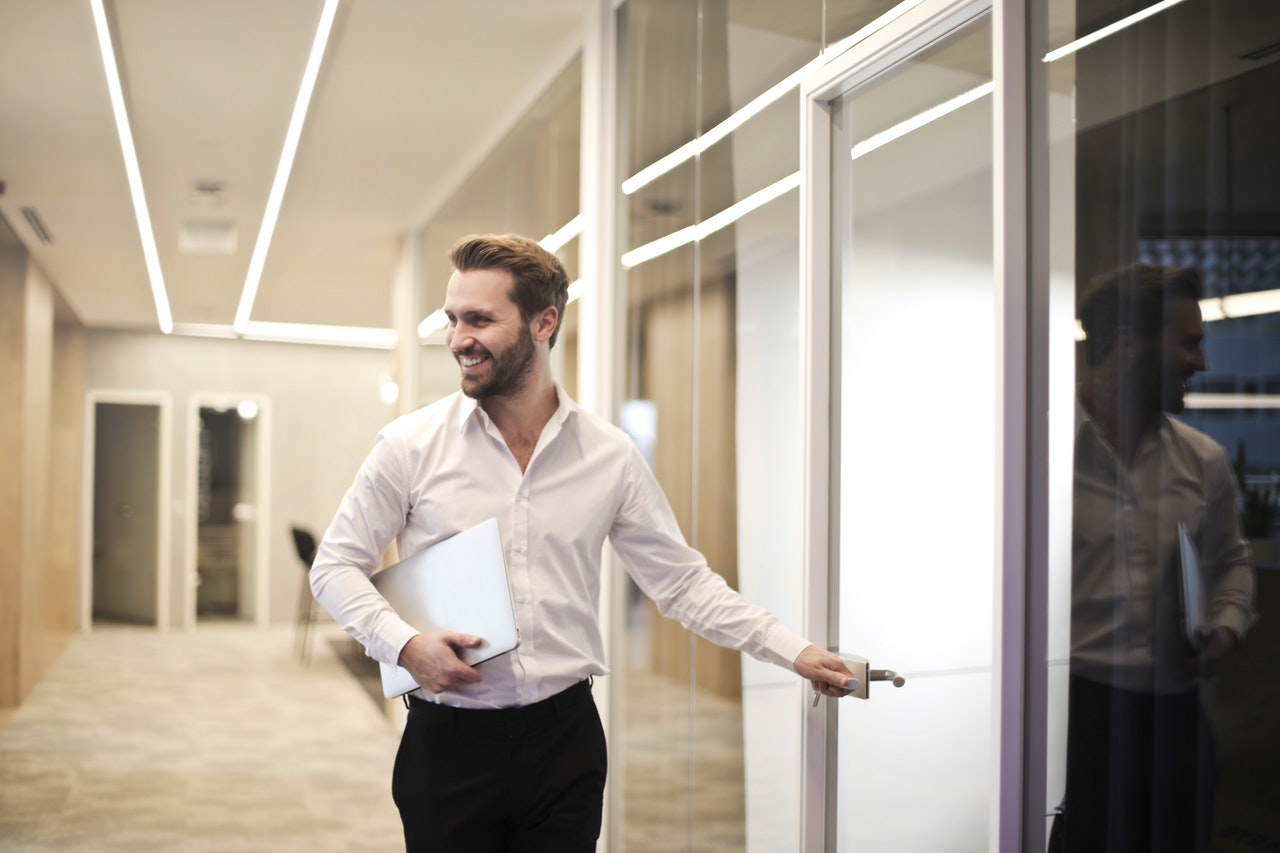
{"x": 12, "y": 427}
{"x": 38, "y": 593}
{"x": 697, "y": 474}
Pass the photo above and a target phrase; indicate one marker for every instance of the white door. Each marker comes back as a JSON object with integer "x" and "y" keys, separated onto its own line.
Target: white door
{"x": 902, "y": 433}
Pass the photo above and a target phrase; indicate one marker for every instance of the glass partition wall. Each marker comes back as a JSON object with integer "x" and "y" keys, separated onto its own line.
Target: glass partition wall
{"x": 1158, "y": 141}
{"x": 706, "y": 743}
{"x": 1153, "y": 135}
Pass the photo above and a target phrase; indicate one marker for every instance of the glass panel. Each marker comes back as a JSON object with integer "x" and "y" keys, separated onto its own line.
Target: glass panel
{"x": 843, "y": 18}
{"x": 707, "y": 758}
{"x": 914, "y": 402}
{"x": 653, "y": 770}
{"x": 1163, "y": 221}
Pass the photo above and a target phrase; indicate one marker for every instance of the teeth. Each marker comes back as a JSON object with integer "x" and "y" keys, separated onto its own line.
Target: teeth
{"x": 471, "y": 360}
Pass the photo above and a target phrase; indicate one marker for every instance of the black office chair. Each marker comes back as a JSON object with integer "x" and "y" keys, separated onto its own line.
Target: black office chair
{"x": 308, "y": 610}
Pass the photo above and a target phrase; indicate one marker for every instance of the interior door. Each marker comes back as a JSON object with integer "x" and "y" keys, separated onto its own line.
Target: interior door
{"x": 910, "y": 448}
{"x": 125, "y": 512}
{"x": 229, "y": 493}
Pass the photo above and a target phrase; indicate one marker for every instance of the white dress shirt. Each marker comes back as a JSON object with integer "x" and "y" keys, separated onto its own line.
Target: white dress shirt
{"x": 1126, "y": 616}
{"x": 446, "y": 467}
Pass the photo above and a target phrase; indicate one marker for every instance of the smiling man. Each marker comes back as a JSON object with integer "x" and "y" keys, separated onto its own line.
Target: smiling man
{"x": 510, "y": 755}
{"x": 1140, "y": 756}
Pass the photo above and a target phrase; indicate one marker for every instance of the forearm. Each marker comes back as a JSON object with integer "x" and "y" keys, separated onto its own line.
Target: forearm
{"x": 705, "y": 604}
{"x": 346, "y": 592}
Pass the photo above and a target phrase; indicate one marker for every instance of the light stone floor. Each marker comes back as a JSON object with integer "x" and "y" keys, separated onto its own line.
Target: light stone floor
{"x": 210, "y": 740}
{"x": 218, "y": 739}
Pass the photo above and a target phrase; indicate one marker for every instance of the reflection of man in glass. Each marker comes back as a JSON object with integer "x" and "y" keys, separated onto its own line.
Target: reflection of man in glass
{"x": 1139, "y": 748}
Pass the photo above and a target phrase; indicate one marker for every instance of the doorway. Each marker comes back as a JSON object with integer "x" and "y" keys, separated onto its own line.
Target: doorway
{"x": 902, "y": 409}
{"x": 228, "y": 473}
{"x": 127, "y": 531}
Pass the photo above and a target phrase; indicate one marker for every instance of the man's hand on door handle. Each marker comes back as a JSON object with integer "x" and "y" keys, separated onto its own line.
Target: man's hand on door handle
{"x": 826, "y": 671}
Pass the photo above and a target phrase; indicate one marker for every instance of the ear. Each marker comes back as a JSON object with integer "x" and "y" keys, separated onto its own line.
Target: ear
{"x": 544, "y": 324}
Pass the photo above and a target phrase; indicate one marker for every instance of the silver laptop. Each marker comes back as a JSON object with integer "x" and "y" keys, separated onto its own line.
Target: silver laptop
{"x": 1193, "y": 597}
{"x": 458, "y": 584}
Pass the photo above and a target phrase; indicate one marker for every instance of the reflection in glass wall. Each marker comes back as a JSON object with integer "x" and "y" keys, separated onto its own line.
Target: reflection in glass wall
{"x": 528, "y": 184}
{"x": 706, "y": 744}
{"x": 1165, "y": 584}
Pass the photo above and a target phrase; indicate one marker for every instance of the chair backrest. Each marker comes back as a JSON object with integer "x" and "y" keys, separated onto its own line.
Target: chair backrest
{"x": 306, "y": 545}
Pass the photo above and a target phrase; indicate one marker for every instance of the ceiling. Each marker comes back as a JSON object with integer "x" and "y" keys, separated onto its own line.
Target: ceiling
{"x": 410, "y": 96}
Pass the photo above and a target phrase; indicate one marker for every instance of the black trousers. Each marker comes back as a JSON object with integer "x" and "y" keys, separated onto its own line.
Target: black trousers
{"x": 1140, "y": 772}
{"x": 527, "y": 779}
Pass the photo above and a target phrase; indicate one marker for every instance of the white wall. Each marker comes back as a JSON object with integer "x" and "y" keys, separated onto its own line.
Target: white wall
{"x": 325, "y": 412}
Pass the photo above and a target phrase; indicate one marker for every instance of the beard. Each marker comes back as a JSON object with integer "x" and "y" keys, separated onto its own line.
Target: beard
{"x": 507, "y": 370}
{"x": 1174, "y": 395}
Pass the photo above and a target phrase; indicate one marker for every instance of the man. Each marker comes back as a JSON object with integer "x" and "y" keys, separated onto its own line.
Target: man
{"x": 510, "y": 755}
{"x": 1139, "y": 747}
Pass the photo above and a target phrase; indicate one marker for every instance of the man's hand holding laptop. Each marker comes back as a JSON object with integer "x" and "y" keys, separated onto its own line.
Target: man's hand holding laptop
{"x": 432, "y": 659}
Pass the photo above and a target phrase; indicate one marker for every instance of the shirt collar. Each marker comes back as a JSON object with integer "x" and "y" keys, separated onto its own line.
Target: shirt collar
{"x": 1164, "y": 431}
{"x": 468, "y": 407}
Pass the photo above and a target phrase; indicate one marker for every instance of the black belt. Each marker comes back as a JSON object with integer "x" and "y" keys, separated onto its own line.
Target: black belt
{"x": 502, "y": 722}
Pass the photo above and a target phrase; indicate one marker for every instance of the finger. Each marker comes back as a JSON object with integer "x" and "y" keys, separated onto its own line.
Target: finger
{"x": 840, "y": 680}
{"x": 466, "y": 641}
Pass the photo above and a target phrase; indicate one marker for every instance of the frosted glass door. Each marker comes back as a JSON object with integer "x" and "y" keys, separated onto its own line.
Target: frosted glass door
{"x": 913, "y": 450}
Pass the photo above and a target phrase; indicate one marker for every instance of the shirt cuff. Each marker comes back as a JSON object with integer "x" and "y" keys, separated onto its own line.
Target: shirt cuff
{"x": 782, "y": 646}
{"x": 391, "y": 641}
{"x": 1235, "y": 618}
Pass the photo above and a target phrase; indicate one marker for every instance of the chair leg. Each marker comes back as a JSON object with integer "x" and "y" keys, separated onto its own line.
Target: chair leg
{"x": 303, "y": 626}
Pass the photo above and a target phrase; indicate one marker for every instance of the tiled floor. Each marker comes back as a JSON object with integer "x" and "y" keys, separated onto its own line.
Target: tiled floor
{"x": 212, "y": 740}
{"x": 219, "y": 740}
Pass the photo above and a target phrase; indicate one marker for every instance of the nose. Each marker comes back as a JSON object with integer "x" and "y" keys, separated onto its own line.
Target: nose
{"x": 1199, "y": 361}
{"x": 456, "y": 338}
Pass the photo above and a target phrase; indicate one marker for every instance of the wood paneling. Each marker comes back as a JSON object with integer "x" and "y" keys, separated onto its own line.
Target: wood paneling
{"x": 39, "y": 495}
{"x": 689, "y": 374}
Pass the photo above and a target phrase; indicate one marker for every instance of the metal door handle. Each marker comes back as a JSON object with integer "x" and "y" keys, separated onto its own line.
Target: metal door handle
{"x": 888, "y": 675}
{"x": 863, "y": 675}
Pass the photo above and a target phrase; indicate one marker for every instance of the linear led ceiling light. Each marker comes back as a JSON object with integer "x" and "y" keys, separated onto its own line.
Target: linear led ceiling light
{"x": 276, "y": 198}
{"x": 305, "y": 333}
{"x": 294, "y": 333}
{"x": 1240, "y": 305}
{"x": 731, "y": 214}
{"x": 709, "y": 226}
{"x": 149, "y": 251}
{"x": 558, "y": 240}
{"x": 699, "y": 144}
{"x": 1196, "y": 400}
{"x": 1109, "y": 30}
{"x": 884, "y": 137}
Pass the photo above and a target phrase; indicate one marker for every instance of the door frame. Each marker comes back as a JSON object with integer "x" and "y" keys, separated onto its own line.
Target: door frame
{"x": 262, "y": 574}
{"x": 1019, "y": 698}
{"x": 164, "y": 402}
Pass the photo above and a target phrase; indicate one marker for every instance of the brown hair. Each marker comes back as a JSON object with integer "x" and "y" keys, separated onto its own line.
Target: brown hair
{"x": 540, "y": 281}
{"x": 1136, "y": 297}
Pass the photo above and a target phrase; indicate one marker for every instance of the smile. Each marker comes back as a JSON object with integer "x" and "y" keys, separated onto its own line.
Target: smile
{"x": 471, "y": 360}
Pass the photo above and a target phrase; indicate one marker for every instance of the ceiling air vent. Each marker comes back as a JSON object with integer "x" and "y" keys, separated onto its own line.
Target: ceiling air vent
{"x": 207, "y": 237}
{"x": 37, "y": 225}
